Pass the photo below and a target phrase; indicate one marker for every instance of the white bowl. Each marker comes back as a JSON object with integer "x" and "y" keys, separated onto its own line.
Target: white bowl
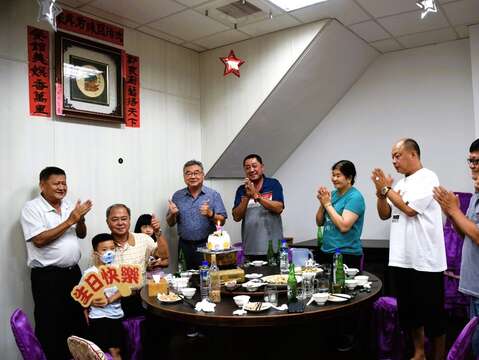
{"x": 250, "y": 286}
{"x": 241, "y": 300}
{"x": 352, "y": 272}
{"x": 362, "y": 279}
{"x": 257, "y": 263}
{"x": 351, "y": 283}
{"x": 188, "y": 292}
{"x": 320, "y": 298}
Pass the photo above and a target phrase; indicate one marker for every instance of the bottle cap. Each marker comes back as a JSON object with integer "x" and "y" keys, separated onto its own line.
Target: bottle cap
{"x": 204, "y": 263}
{"x": 337, "y": 251}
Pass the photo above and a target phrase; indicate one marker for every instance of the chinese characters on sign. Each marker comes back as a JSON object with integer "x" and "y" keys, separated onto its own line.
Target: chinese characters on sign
{"x": 39, "y": 72}
{"x": 93, "y": 284}
{"x": 132, "y": 91}
{"x": 70, "y": 21}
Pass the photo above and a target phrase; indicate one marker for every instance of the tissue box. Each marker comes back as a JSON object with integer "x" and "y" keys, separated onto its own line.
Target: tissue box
{"x": 232, "y": 274}
{"x": 160, "y": 287}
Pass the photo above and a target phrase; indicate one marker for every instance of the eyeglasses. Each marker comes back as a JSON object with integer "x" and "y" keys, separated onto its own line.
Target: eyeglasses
{"x": 473, "y": 162}
{"x": 191, "y": 174}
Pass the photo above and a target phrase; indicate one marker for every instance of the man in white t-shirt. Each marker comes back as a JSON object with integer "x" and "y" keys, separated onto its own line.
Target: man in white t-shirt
{"x": 51, "y": 227}
{"x": 417, "y": 254}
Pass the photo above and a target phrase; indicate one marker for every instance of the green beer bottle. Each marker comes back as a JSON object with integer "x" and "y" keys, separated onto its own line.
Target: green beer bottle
{"x": 270, "y": 254}
{"x": 292, "y": 285}
{"x": 338, "y": 272}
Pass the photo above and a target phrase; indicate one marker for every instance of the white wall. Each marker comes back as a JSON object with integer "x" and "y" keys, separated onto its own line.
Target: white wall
{"x": 170, "y": 134}
{"x": 227, "y": 103}
{"x": 423, "y": 93}
{"x": 474, "y": 45}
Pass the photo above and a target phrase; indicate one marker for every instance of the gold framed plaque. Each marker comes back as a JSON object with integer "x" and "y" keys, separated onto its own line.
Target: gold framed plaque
{"x": 89, "y": 79}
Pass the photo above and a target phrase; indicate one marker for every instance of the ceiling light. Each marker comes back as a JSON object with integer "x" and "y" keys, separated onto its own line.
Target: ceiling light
{"x": 290, "y": 5}
{"x": 427, "y": 6}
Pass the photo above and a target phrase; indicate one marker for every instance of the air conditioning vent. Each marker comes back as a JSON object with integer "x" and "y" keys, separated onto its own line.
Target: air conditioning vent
{"x": 239, "y": 9}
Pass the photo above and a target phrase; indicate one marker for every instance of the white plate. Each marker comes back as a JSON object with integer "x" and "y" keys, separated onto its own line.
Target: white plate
{"x": 339, "y": 298}
{"x": 258, "y": 263}
{"x": 253, "y": 276}
{"x": 252, "y": 306}
{"x": 166, "y": 298}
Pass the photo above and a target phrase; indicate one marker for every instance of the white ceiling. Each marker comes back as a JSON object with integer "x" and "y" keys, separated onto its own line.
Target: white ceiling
{"x": 388, "y": 25}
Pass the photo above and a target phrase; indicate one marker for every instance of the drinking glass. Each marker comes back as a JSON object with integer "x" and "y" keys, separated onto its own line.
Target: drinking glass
{"x": 271, "y": 294}
{"x": 322, "y": 283}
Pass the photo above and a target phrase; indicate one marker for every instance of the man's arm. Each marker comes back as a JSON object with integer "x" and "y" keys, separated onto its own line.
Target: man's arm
{"x": 396, "y": 199}
{"x": 48, "y": 236}
{"x": 81, "y": 228}
{"x": 450, "y": 206}
{"x": 276, "y": 207}
{"x": 384, "y": 209}
{"x": 240, "y": 211}
{"x": 172, "y": 213}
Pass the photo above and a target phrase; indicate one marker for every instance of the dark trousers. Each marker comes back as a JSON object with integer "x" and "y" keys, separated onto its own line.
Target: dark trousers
{"x": 193, "y": 258}
{"x": 57, "y": 315}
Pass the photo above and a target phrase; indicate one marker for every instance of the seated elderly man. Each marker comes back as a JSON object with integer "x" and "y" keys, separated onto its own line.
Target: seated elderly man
{"x": 132, "y": 248}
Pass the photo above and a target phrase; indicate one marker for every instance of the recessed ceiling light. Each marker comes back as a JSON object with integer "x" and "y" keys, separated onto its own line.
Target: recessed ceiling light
{"x": 290, "y": 5}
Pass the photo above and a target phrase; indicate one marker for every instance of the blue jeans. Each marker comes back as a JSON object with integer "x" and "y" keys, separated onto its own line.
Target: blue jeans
{"x": 474, "y": 311}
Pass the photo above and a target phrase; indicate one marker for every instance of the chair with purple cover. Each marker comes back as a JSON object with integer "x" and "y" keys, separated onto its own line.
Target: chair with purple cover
{"x": 456, "y": 303}
{"x": 390, "y": 339}
{"x": 133, "y": 342}
{"x": 25, "y": 337}
{"x": 462, "y": 346}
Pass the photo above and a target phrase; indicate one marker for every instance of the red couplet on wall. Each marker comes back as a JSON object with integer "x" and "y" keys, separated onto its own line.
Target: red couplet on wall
{"x": 80, "y": 24}
{"x": 39, "y": 72}
{"x": 132, "y": 90}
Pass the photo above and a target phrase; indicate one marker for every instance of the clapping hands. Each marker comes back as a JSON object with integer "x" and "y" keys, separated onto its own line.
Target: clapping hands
{"x": 324, "y": 196}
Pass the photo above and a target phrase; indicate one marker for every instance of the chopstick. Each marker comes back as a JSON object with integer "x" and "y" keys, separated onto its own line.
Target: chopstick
{"x": 342, "y": 296}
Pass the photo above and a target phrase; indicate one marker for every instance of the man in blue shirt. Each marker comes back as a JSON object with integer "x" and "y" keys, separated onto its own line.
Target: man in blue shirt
{"x": 196, "y": 209}
{"x": 467, "y": 226}
{"x": 258, "y": 204}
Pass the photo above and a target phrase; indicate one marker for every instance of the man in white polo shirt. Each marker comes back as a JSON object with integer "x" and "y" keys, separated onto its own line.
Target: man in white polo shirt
{"x": 51, "y": 227}
{"x": 417, "y": 254}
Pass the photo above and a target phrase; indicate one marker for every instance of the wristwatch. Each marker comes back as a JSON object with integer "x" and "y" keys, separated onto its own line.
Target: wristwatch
{"x": 385, "y": 190}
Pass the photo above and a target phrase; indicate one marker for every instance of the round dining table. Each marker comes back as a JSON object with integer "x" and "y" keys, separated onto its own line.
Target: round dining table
{"x": 223, "y": 314}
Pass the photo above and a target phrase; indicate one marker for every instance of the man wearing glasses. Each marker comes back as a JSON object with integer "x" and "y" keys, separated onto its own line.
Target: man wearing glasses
{"x": 196, "y": 209}
{"x": 468, "y": 226}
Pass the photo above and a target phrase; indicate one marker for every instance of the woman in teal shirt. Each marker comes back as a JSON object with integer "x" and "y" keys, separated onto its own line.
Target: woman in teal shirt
{"x": 341, "y": 213}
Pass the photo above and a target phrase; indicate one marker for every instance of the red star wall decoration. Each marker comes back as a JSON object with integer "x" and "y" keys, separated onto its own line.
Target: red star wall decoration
{"x": 232, "y": 64}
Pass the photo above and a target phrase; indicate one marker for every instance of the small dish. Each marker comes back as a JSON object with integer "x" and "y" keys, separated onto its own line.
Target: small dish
{"x": 252, "y": 286}
{"x": 351, "y": 272}
{"x": 258, "y": 263}
{"x": 320, "y": 298}
{"x": 168, "y": 298}
{"x": 231, "y": 285}
{"x": 257, "y": 306}
{"x": 253, "y": 276}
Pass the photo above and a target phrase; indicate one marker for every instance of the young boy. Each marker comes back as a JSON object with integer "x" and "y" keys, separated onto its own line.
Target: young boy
{"x": 105, "y": 319}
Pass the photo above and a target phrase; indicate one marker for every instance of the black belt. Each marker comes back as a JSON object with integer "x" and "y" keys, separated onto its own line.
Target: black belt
{"x": 55, "y": 268}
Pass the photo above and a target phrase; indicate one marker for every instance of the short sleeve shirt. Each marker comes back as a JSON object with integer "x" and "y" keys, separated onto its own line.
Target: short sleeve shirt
{"x": 138, "y": 254}
{"x": 39, "y": 216}
{"x": 350, "y": 241}
{"x": 191, "y": 224}
{"x": 417, "y": 242}
{"x": 259, "y": 224}
{"x": 469, "y": 280}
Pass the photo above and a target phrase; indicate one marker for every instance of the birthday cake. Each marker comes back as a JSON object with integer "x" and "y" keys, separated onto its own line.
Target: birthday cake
{"x": 219, "y": 240}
